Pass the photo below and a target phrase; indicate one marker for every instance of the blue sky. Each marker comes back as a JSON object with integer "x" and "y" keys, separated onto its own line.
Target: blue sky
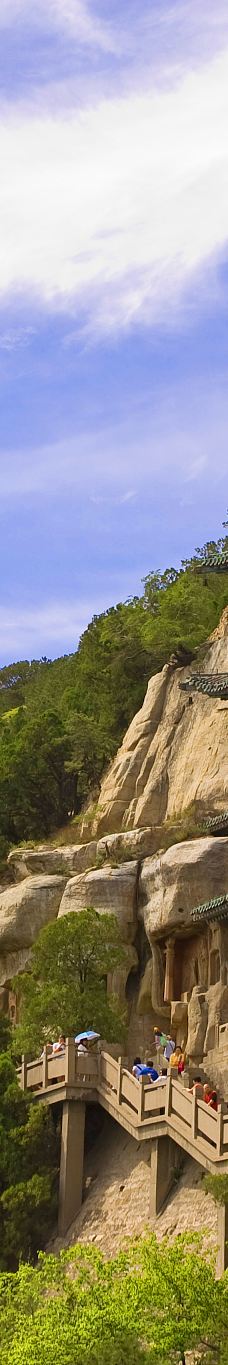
{"x": 113, "y": 303}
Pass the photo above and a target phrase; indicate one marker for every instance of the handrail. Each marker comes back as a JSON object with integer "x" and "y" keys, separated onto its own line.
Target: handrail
{"x": 141, "y": 1105}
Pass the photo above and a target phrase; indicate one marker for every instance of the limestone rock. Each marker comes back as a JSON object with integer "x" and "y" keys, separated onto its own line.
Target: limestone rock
{"x": 25, "y": 908}
{"x": 116, "y": 982}
{"x": 132, "y": 843}
{"x": 151, "y": 990}
{"x": 76, "y": 858}
{"x": 53, "y": 861}
{"x": 173, "y": 883}
{"x": 108, "y": 889}
{"x": 174, "y": 754}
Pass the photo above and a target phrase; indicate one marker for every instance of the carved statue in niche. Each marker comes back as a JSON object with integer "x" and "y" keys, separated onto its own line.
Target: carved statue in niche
{"x": 197, "y": 1023}
{"x": 151, "y": 993}
{"x": 217, "y": 1003}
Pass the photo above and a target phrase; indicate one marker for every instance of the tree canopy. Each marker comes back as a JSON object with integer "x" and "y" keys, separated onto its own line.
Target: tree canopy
{"x": 148, "y": 1306}
{"x": 65, "y": 988}
{"x": 29, "y": 1154}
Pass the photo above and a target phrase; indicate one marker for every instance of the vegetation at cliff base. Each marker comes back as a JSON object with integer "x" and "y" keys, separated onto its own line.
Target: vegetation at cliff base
{"x": 148, "y": 1306}
{"x": 62, "y": 721}
{"x": 65, "y": 988}
{"x": 29, "y": 1155}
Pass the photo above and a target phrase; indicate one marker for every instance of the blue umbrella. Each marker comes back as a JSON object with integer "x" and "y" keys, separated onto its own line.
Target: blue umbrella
{"x": 88, "y": 1035}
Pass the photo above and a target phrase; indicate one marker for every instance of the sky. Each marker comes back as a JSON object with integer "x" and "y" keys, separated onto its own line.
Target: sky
{"x": 113, "y": 303}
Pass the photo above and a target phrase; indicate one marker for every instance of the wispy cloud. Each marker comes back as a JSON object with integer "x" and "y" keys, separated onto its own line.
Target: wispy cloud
{"x": 101, "y": 501}
{"x": 76, "y": 17}
{"x": 29, "y": 632}
{"x": 114, "y": 212}
{"x": 15, "y": 338}
{"x": 170, "y": 435}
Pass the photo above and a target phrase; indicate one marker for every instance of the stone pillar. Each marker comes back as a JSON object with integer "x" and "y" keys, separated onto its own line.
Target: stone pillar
{"x": 222, "y": 1240}
{"x": 165, "y": 1160}
{"x": 169, "y": 973}
{"x": 71, "y": 1163}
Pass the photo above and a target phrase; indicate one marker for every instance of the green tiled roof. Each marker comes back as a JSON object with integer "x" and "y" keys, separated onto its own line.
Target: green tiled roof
{"x": 216, "y": 909}
{"x": 215, "y": 562}
{"x": 217, "y": 824}
{"x": 211, "y": 684}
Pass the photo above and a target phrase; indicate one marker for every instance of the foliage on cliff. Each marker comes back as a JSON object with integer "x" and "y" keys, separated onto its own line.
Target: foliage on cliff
{"x": 62, "y": 721}
{"x": 28, "y": 1167}
{"x": 149, "y": 1306}
{"x": 65, "y": 987}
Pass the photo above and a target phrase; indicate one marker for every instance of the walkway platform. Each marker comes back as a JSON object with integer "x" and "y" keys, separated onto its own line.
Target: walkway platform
{"x": 145, "y": 1111}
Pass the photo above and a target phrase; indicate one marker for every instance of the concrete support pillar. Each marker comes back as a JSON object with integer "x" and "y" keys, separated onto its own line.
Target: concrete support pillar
{"x": 222, "y": 1239}
{"x": 165, "y": 1160}
{"x": 169, "y": 971}
{"x": 71, "y": 1163}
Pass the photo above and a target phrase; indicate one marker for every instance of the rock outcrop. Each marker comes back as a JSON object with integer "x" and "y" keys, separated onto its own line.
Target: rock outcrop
{"x": 24, "y": 909}
{"x": 113, "y": 890}
{"x": 173, "y": 883}
{"x": 174, "y": 754}
{"x": 74, "y": 858}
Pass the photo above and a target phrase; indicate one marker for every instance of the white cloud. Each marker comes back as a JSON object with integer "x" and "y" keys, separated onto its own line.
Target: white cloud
{"x": 114, "y": 211}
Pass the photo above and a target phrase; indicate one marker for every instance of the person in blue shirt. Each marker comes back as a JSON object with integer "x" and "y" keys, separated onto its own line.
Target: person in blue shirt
{"x": 139, "y": 1070}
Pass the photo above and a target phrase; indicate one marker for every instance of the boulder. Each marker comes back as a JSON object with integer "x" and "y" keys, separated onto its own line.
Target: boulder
{"x": 25, "y": 908}
{"x": 174, "y": 753}
{"x": 132, "y": 843}
{"x": 173, "y": 883}
{"x": 52, "y": 861}
{"x": 107, "y": 889}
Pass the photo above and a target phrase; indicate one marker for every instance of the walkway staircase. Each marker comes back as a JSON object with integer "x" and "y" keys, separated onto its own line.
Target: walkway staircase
{"x": 164, "y": 1110}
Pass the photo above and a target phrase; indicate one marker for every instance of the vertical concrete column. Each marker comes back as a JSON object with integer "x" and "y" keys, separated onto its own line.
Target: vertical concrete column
{"x": 71, "y": 1163}
{"x": 165, "y": 1159}
{"x": 222, "y": 1240}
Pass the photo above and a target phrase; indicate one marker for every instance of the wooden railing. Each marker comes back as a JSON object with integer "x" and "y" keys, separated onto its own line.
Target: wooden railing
{"x": 142, "y": 1107}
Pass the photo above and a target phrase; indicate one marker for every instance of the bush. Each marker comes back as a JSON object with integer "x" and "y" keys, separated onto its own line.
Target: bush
{"x": 27, "y": 1214}
{"x": 217, "y": 1185}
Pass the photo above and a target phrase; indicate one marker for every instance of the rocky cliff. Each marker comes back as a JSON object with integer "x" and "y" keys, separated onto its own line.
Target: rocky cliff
{"x": 174, "y": 754}
{"x": 174, "y": 757}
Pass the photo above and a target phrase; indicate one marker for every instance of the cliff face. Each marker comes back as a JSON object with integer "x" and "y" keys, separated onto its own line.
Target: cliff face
{"x": 175, "y": 973}
{"x": 175, "y": 753}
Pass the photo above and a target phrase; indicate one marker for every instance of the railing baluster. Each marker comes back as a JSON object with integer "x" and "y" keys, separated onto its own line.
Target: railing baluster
{"x": 141, "y": 1100}
{"x": 119, "y": 1080}
{"x": 219, "y": 1130}
{"x": 23, "y": 1072}
{"x": 45, "y": 1067}
{"x": 69, "y": 1062}
{"x": 168, "y": 1098}
{"x": 194, "y": 1124}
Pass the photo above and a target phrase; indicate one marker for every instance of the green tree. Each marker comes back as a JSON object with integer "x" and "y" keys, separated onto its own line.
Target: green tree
{"x": 65, "y": 987}
{"x": 148, "y": 1306}
{"x": 34, "y": 786}
{"x": 29, "y": 1155}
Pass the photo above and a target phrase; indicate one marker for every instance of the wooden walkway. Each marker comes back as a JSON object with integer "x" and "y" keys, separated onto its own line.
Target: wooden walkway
{"x": 145, "y": 1111}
